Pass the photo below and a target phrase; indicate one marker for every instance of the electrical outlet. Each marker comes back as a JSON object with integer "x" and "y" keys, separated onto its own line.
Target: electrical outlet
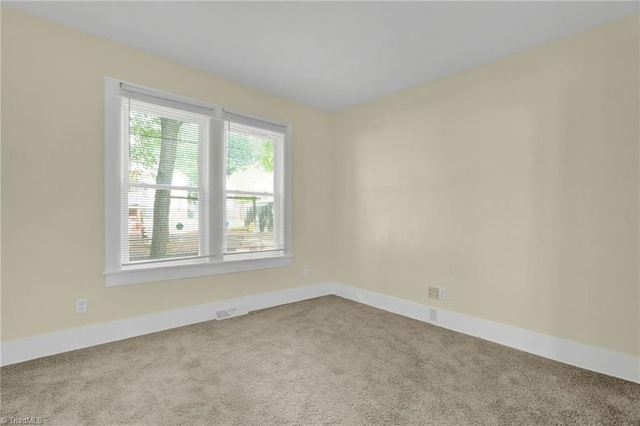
{"x": 81, "y": 306}
{"x": 306, "y": 272}
{"x": 437, "y": 293}
{"x": 434, "y": 293}
{"x": 442, "y": 294}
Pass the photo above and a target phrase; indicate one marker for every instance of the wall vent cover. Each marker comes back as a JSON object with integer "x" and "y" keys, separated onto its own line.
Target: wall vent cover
{"x": 231, "y": 312}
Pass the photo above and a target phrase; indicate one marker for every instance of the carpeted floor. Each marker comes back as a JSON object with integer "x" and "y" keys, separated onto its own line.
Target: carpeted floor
{"x": 322, "y": 361}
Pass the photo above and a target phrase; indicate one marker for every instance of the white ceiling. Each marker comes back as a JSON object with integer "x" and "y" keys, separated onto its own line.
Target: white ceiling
{"x": 332, "y": 55}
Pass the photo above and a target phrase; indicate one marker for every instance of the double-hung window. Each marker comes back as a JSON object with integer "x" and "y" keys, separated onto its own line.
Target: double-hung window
{"x": 192, "y": 189}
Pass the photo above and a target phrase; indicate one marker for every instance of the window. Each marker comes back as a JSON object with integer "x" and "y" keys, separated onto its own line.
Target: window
{"x": 192, "y": 189}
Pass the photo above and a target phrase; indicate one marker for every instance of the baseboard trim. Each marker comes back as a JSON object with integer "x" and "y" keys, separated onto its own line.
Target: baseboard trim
{"x": 19, "y": 350}
{"x": 592, "y": 358}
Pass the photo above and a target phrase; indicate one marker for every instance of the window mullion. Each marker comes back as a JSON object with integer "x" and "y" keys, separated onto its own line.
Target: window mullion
{"x": 203, "y": 190}
{"x": 216, "y": 182}
{"x": 124, "y": 195}
{"x": 285, "y": 189}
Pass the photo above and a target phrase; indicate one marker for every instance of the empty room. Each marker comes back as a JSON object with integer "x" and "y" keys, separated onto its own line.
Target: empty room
{"x": 311, "y": 213}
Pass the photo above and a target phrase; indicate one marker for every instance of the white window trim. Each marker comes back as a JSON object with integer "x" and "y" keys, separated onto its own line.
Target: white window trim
{"x": 115, "y": 273}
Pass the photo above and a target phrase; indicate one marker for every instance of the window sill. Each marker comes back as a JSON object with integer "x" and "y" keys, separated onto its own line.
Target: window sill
{"x": 172, "y": 272}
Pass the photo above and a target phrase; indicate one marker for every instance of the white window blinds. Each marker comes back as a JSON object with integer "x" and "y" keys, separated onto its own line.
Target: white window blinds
{"x": 165, "y": 184}
{"x": 254, "y": 207}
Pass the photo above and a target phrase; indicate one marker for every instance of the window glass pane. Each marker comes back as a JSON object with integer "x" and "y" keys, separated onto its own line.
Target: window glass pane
{"x": 162, "y": 224}
{"x": 249, "y": 161}
{"x": 162, "y": 150}
{"x": 249, "y": 224}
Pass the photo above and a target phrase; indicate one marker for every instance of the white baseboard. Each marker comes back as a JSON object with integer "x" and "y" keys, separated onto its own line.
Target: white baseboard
{"x": 592, "y": 358}
{"x": 19, "y": 350}
{"x": 589, "y": 357}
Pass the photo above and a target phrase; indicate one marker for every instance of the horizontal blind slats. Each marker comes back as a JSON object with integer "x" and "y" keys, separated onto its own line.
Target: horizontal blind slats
{"x": 257, "y": 123}
{"x": 162, "y": 214}
{"x": 158, "y": 98}
{"x": 253, "y": 214}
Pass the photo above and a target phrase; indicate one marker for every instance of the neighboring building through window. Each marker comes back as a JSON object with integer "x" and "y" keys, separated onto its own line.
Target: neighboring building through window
{"x": 191, "y": 188}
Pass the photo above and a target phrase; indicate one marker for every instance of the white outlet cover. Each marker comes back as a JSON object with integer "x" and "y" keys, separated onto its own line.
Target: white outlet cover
{"x": 442, "y": 293}
{"x": 433, "y": 314}
{"x": 81, "y": 306}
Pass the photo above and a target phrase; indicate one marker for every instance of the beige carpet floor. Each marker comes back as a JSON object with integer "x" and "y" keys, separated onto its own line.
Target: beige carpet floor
{"x": 321, "y": 361}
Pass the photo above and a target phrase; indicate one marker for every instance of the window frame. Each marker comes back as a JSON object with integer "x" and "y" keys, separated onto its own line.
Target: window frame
{"x": 116, "y": 177}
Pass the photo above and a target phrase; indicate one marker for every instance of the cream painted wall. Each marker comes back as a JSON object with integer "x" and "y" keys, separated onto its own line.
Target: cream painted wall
{"x": 52, "y": 180}
{"x": 514, "y": 185}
